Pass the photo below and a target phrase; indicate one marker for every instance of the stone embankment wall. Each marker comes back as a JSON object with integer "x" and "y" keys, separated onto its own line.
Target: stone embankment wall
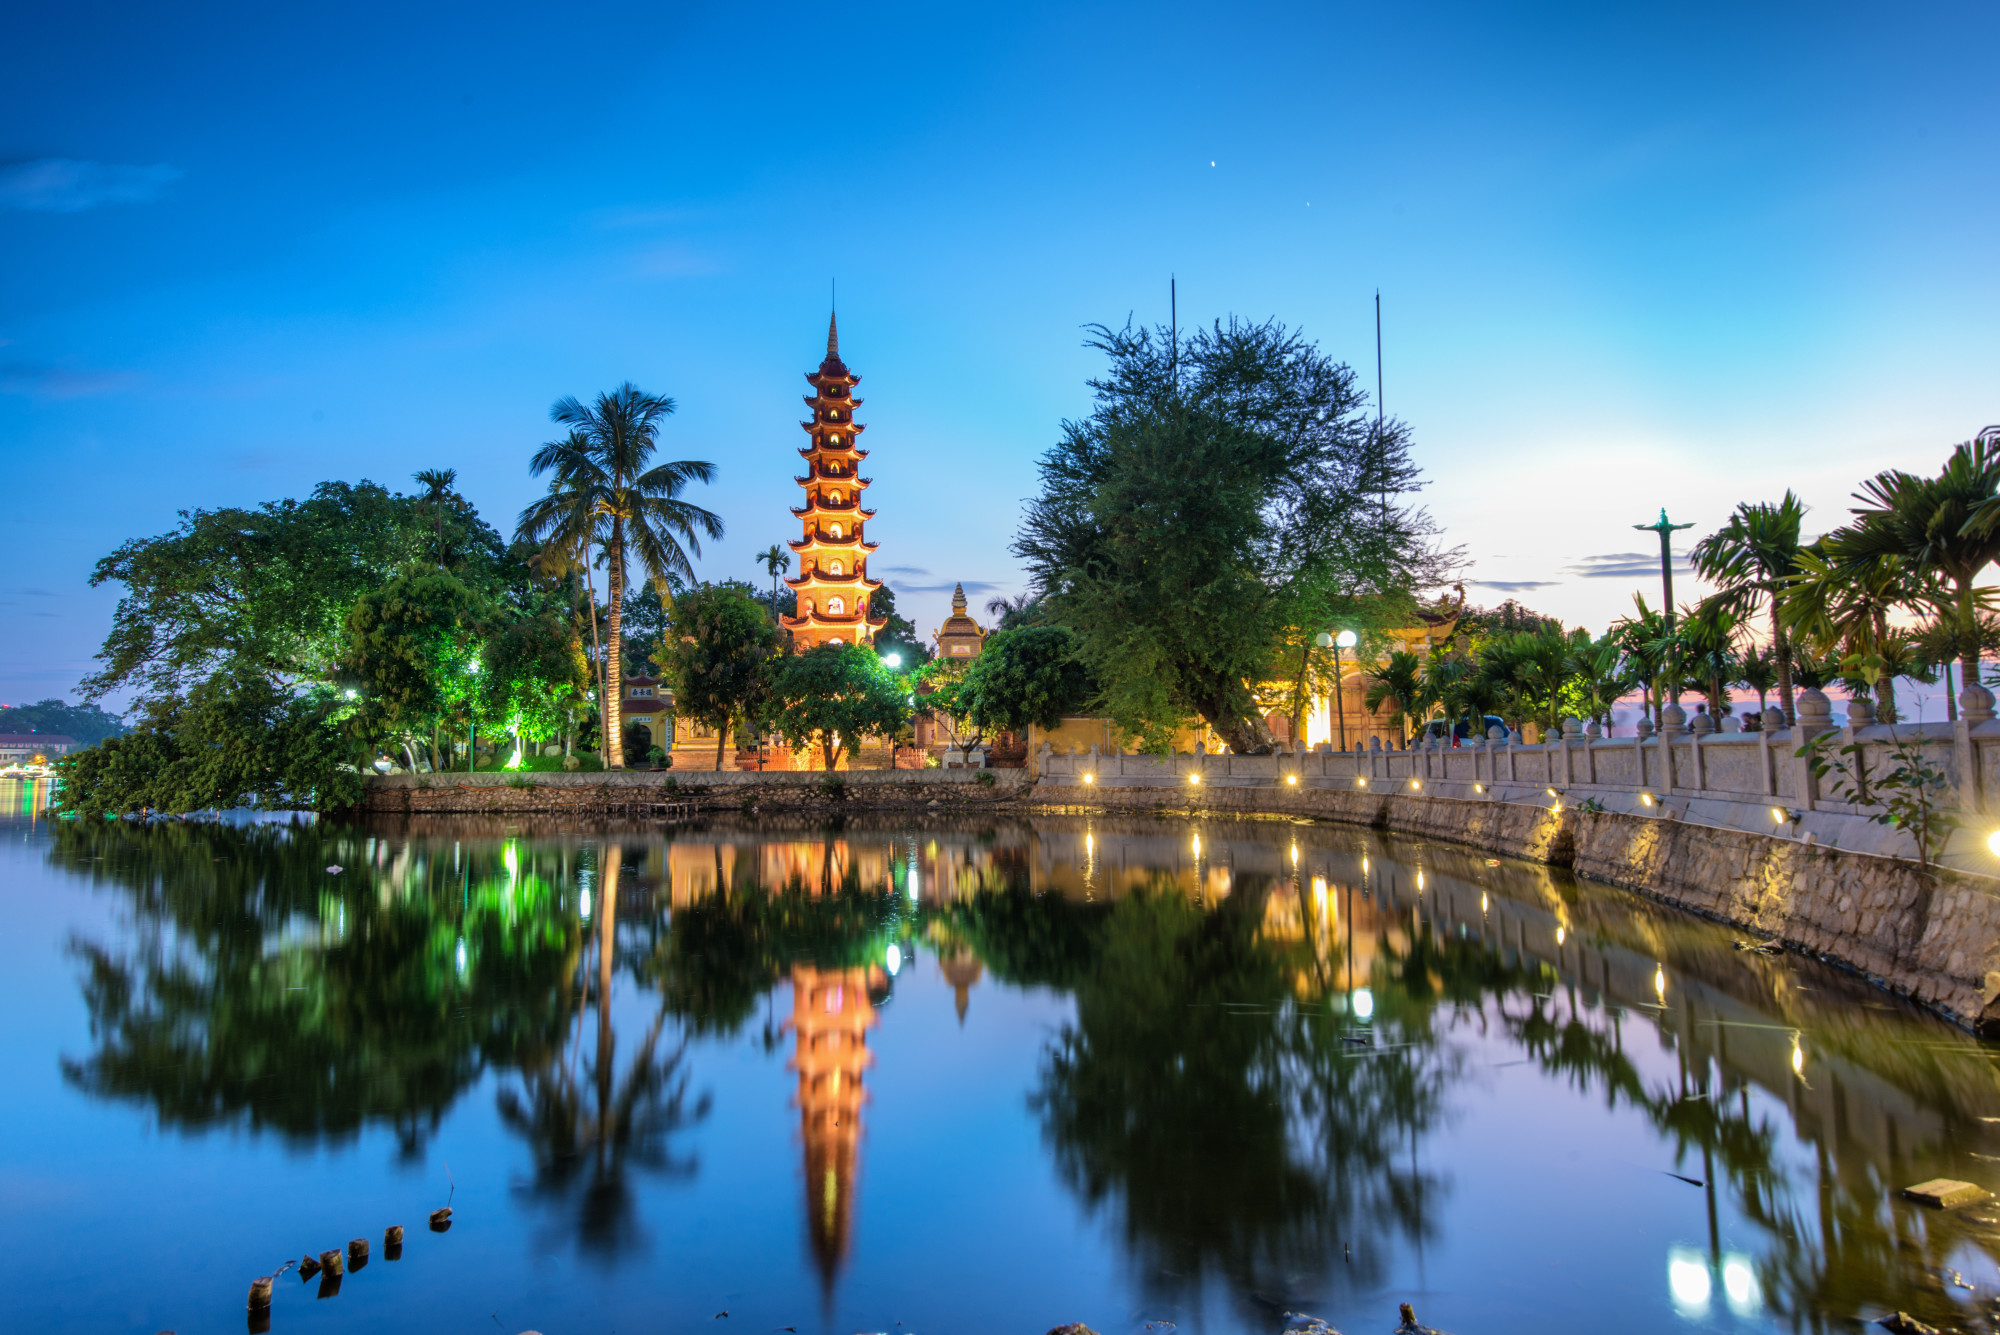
{"x": 1938, "y": 943}
{"x": 641, "y": 791}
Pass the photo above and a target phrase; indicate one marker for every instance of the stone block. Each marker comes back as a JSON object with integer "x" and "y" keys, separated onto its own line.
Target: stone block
{"x": 1945, "y": 1194}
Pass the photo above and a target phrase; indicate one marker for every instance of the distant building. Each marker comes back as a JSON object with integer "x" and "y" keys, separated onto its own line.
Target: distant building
{"x": 645, "y": 712}
{"x": 960, "y": 636}
{"x": 28, "y": 748}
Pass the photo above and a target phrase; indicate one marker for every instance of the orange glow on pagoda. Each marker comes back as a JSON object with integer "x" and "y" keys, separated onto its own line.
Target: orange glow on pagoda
{"x": 831, "y": 1015}
{"x": 832, "y": 585}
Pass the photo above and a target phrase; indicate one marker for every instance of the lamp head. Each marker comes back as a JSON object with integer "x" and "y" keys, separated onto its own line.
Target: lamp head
{"x": 1347, "y": 639}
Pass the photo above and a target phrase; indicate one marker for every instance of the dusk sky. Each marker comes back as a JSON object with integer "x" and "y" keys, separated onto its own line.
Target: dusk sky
{"x": 1628, "y": 256}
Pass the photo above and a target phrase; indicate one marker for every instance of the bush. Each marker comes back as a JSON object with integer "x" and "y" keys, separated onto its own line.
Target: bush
{"x": 836, "y": 788}
{"x": 984, "y": 778}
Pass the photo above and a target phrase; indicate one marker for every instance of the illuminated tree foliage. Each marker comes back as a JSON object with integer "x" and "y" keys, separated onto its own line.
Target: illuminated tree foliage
{"x": 833, "y": 696}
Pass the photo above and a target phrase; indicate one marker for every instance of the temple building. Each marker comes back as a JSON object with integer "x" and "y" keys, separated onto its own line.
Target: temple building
{"x": 832, "y": 585}
{"x": 960, "y": 636}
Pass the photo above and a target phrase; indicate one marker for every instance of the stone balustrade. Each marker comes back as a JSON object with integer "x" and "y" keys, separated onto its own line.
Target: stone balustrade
{"x": 1756, "y": 782}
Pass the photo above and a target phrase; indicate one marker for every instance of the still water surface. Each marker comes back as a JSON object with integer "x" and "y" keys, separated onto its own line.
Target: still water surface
{"x": 891, "y": 1075}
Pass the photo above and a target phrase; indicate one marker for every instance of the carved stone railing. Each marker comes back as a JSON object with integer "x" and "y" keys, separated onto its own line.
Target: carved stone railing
{"x": 1752, "y": 781}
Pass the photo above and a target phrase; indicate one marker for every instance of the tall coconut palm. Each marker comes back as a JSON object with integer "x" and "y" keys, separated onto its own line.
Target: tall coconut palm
{"x": 436, "y": 483}
{"x": 606, "y": 483}
{"x": 1643, "y": 637}
{"x": 776, "y": 561}
{"x": 568, "y": 551}
{"x": 1751, "y": 561}
{"x": 1947, "y": 527}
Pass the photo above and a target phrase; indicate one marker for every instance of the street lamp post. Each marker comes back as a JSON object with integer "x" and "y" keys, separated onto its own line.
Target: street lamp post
{"x": 1666, "y": 532}
{"x": 1345, "y": 640}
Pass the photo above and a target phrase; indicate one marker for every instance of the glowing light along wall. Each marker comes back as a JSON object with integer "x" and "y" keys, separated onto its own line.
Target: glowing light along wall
{"x": 832, "y": 585}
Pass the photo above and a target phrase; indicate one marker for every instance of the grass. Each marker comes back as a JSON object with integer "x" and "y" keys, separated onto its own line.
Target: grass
{"x": 536, "y": 765}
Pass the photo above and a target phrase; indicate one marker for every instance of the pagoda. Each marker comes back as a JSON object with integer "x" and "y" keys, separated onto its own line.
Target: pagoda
{"x": 832, "y": 585}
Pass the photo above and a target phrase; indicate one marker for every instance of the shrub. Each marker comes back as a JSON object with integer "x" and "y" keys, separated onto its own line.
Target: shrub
{"x": 984, "y": 778}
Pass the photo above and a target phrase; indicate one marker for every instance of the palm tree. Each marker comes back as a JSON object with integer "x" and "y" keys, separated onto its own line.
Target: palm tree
{"x": 1399, "y": 684}
{"x": 1643, "y": 637}
{"x": 1946, "y": 529}
{"x": 1707, "y": 636}
{"x": 1758, "y": 672}
{"x": 1845, "y": 610}
{"x": 1012, "y": 612}
{"x": 604, "y": 487}
{"x": 1751, "y": 561}
{"x": 436, "y": 483}
{"x": 776, "y": 561}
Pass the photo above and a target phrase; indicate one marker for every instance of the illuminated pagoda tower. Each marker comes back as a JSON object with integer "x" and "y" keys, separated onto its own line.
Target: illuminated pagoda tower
{"x": 832, "y": 585}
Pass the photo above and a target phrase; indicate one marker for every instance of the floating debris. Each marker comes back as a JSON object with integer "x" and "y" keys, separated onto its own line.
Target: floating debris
{"x": 1960, "y": 1280}
{"x": 1761, "y": 947}
{"x": 1902, "y": 1323}
{"x": 1304, "y": 1323}
{"x": 1944, "y": 1193}
{"x": 1409, "y": 1324}
{"x": 392, "y": 1243}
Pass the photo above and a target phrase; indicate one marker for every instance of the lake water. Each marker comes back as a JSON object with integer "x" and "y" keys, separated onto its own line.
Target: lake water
{"x": 901, "y": 1075}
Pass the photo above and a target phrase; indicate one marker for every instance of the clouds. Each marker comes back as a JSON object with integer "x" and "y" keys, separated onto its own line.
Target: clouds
{"x": 1514, "y": 585}
{"x": 59, "y": 382}
{"x": 66, "y": 185}
{"x": 1623, "y": 565}
{"x": 904, "y": 570}
{"x": 972, "y": 586}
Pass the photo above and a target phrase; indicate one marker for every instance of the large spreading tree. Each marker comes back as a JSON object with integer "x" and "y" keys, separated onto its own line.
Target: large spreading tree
{"x": 1228, "y": 493}
{"x": 720, "y": 657}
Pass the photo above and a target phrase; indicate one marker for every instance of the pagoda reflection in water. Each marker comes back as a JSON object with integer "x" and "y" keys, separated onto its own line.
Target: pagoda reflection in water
{"x": 832, "y": 1011}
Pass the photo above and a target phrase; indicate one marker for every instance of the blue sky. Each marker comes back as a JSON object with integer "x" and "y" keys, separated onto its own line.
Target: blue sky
{"x": 1629, "y": 257}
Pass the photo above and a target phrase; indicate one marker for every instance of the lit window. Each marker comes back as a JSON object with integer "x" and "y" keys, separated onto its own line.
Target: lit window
{"x": 836, "y": 496}
{"x": 833, "y": 567}
{"x": 834, "y": 607}
{"x": 836, "y": 532}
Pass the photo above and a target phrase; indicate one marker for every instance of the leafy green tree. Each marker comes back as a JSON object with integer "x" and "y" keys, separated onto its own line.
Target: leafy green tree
{"x": 832, "y": 696}
{"x": 720, "y": 658}
{"x": 533, "y": 674}
{"x": 413, "y": 654}
{"x": 85, "y": 723}
{"x": 263, "y": 590}
{"x": 1752, "y": 561}
{"x": 233, "y": 742}
{"x": 1027, "y": 676}
{"x": 1224, "y": 486}
{"x": 605, "y": 487}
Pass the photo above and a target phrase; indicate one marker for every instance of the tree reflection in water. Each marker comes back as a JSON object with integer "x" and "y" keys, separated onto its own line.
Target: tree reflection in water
{"x": 258, "y": 989}
{"x": 1219, "y": 1098}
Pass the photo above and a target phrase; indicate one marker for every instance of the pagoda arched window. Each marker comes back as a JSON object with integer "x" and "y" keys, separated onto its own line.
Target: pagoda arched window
{"x": 833, "y": 567}
{"x": 836, "y": 532}
{"x": 835, "y": 607}
{"x": 836, "y": 496}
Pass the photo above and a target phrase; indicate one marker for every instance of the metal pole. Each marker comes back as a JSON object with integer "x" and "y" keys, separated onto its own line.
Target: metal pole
{"x": 1339, "y": 706}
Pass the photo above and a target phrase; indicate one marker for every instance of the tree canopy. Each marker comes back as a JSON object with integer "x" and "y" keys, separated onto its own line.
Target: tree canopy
{"x": 720, "y": 657}
{"x": 834, "y": 695}
{"x": 1226, "y": 489}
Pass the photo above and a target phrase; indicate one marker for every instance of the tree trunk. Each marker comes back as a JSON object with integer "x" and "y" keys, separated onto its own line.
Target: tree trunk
{"x": 1782, "y": 646}
{"x": 614, "y": 739}
{"x": 721, "y": 736}
{"x": 607, "y": 950}
{"x": 1885, "y": 686}
{"x": 1968, "y": 636}
{"x": 1301, "y": 696}
{"x": 596, "y": 649}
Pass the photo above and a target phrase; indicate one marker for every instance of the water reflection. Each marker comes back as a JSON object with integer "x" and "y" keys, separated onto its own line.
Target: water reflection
{"x": 1272, "y": 1029}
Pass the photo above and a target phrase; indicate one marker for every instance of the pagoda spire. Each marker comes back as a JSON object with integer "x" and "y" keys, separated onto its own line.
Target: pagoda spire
{"x": 833, "y": 335}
